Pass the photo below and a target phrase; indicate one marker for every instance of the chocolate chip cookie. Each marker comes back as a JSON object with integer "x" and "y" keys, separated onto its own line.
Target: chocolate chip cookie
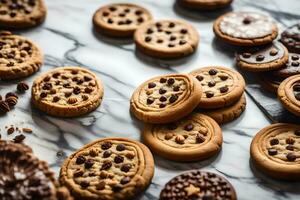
{"x": 270, "y": 57}
{"x": 21, "y": 13}
{"x": 289, "y": 94}
{"x": 165, "y": 99}
{"x": 67, "y": 92}
{"x": 19, "y": 57}
{"x": 120, "y": 20}
{"x": 221, "y": 86}
{"x": 292, "y": 67}
{"x": 166, "y": 39}
{"x": 195, "y": 137}
{"x": 291, "y": 38}
{"x": 108, "y": 169}
{"x": 245, "y": 28}
{"x": 275, "y": 151}
{"x": 205, "y": 4}
{"x": 197, "y": 184}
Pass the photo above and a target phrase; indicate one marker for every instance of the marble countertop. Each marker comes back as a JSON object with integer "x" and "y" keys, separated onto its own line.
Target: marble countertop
{"x": 67, "y": 38}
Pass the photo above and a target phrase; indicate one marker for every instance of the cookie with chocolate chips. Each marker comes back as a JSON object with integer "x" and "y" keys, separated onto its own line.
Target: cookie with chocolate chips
{"x": 108, "y": 169}
{"x": 19, "y": 57}
{"x": 197, "y": 184}
{"x": 292, "y": 67}
{"x": 289, "y": 94}
{"x": 67, "y": 92}
{"x": 166, "y": 98}
{"x": 221, "y": 86}
{"x": 193, "y": 138}
{"x": 120, "y": 20}
{"x": 245, "y": 28}
{"x": 291, "y": 38}
{"x": 166, "y": 39}
{"x": 275, "y": 151}
{"x": 205, "y": 4}
{"x": 18, "y": 14}
{"x": 271, "y": 57}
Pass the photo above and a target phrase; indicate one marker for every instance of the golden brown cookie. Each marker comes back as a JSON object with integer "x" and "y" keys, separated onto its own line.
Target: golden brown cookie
{"x": 275, "y": 151}
{"x": 228, "y": 113}
{"x": 221, "y": 86}
{"x": 195, "y": 137}
{"x": 291, "y": 38}
{"x": 289, "y": 94}
{"x": 108, "y": 169}
{"x": 22, "y": 13}
{"x": 197, "y": 184}
{"x": 67, "y": 92}
{"x": 166, "y": 98}
{"x": 245, "y": 28}
{"x": 270, "y": 57}
{"x": 292, "y": 67}
{"x": 166, "y": 39}
{"x": 19, "y": 57}
{"x": 205, "y": 4}
{"x": 120, "y": 20}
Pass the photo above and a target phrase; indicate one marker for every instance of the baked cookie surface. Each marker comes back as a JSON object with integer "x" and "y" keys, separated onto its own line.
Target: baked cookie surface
{"x": 291, "y": 38}
{"x": 67, "y": 92}
{"x": 167, "y": 39}
{"x": 22, "y": 13}
{"x": 206, "y": 4}
{"x": 275, "y": 151}
{"x": 108, "y": 169}
{"x": 166, "y": 98}
{"x": 19, "y": 57}
{"x": 221, "y": 86}
{"x": 120, "y": 20}
{"x": 292, "y": 67}
{"x": 196, "y": 137}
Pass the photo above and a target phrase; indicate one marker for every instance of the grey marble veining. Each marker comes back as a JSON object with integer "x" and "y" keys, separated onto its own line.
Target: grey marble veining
{"x": 67, "y": 38}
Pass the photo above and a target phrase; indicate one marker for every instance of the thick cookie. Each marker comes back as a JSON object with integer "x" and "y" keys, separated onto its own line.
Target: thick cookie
{"x": 195, "y": 137}
{"x": 166, "y": 39}
{"x": 292, "y": 67}
{"x": 228, "y": 113}
{"x": 19, "y": 57}
{"x": 291, "y": 38}
{"x": 197, "y": 184}
{"x": 245, "y": 28}
{"x": 165, "y": 99}
{"x": 289, "y": 94}
{"x": 267, "y": 58}
{"x": 269, "y": 81}
{"x": 120, "y": 20}
{"x": 22, "y": 13}
{"x": 205, "y": 4}
{"x": 275, "y": 151}
{"x": 67, "y": 92}
{"x": 221, "y": 86}
{"x": 108, "y": 169}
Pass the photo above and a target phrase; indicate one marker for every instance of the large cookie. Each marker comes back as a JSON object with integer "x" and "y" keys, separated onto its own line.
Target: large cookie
{"x": 67, "y": 92}
{"x": 120, "y": 20}
{"x": 165, "y": 99}
{"x": 166, "y": 39}
{"x": 270, "y": 57}
{"x": 221, "y": 86}
{"x": 292, "y": 67}
{"x": 196, "y": 137}
{"x": 245, "y": 28}
{"x": 19, "y": 57}
{"x": 197, "y": 184}
{"x": 108, "y": 169}
{"x": 205, "y": 4}
{"x": 275, "y": 150}
{"x": 291, "y": 38}
{"x": 21, "y": 13}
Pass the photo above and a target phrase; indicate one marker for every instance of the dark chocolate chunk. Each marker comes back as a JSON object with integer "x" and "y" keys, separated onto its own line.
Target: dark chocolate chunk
{"x": 274, "y": 141}
{"x": 120, "y": 147}
{"x": 106, "y": 165}
{"x": 291, "y": 157}
{"x": 106, "y": 145}
{"x": 272, "y": 152}
{"x": 189, "y": 127}
{"x": 80, "y": 160}
{"x": 212, "y": 72}
{"x": 125, "y": 167}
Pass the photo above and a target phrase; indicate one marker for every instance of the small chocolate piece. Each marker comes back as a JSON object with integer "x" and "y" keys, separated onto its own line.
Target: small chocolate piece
{"x": 125, "y": 180}
{"x": 224, "y": 89}
{"x": 163, "y": 80}
{"x": 19, "y": 138}
{"x": 118, "y": 159}
{"x": 246, "y": 55}
{"x": 211, "y": 83}
{"x": 169, "y": 136}
{"x": 176, "y": 88}
{"x": 209, "y": 94}
{"x": 162, "y": 99}
{"x": 290, "y": 147}
{"x": 247, "y": 20}
{"x": 101, "y": 185}
{"x": 120, "y": 147}
{"x": 106, "y": 165}
{"x": 22, "y": 86}
{"x": 84, "y": 184}
{"x": 10, "y": 131}
{"x": 106, "y": 154}
{"x": 183, "y": 31}
{"x": 125, "y": 167}
{"x": 173, "y": 98}
{"x": 260, "y": 58}
{"x": 189, "y": 127}
{"x": 274, "y": 141}
{"x": 150, "y": 100}
{"x": 80, "y": 160}
{"x": 273, "y": 52}
{"x": 290, "y": 140}
{"x": 162, "y": 91}
{"x": 88, "y": 163}
{"x": 151, "y": 85}
{"x": 291, "y": 157}
{"x": 212, "y": 72}
{"x": 106, "y": 145}
{"x": 162, "y": 105}
{"x": 272, "y": 152}
{"x": 148, "y": 39}
{"x": 171, "y": 81}
{"x": 199, "y": 77}
{"x": 199, "y": 138}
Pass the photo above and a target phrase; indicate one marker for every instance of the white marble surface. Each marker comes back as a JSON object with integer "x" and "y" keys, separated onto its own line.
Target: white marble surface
{"x": 67, "y": 38}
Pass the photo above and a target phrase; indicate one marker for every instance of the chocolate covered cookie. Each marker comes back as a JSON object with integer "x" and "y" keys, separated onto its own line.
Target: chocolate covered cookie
{"x": 205, "y": 4}
{"x": 245, "y": 28}
{"x": 275, "y": 151}
{"x": 291, "y": 38}
{"x": 166, "y": 39}
{"x": 292, "y": 67}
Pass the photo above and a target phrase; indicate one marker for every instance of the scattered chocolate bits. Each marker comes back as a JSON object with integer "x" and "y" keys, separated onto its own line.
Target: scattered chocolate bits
{"x": 4, "y": 107}
{"x": 22, "y": 86}
{"x": 19, "y": 138}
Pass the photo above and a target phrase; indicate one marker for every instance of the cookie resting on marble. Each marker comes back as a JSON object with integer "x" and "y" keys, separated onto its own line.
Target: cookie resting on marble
{"x": 205, "y": 4}
{"x": 291, "y": 38}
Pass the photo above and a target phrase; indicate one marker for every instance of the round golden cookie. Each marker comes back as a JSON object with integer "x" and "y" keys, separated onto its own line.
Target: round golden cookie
{"x": 67, "y": 92}
{"x": 120, "y": 20}
{"x": 166, "y": 98}
{"x": 166, "y": 39}
{"x": 108, "y": 169}
{"x": 206, "y": 4}
{"x": 22, "y": 13}
{"x": 221, "y": 86}
{"x": 275, "y": 151}
{"x": 19, "y": 57}
{"x": 289, "y": 94}
{"x": 195, "y": 137}
{"x": 245, "y": 28}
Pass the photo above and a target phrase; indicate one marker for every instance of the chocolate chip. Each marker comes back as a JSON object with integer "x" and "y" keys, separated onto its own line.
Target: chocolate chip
{"x": 169, "y": 136}
{"x": 199, "y": 77}
{"x": 189, "y": 127}
{"x": 168, "y": 32}
{"x": 140, "y": 19}
{"x": 78, "y": 173}
{"x": 199, "y": 138}
{"x": 295, "y": 57}
{"x": 176, "y": 88}
{"x": 171, "y": 81}
{"x": 112, "y": 9}
{"x": 297, "y": 96}
{"x": 105, "y": 14}
{"x": 163, "y": 80}
{"x": 260, "y": 58}
{"x": 106, "y": 154}
{"x": 148, "y": 39}
{"x": 122, "y": 14}
{"x": 247, "y": 20}
{"x": 272, "y": 152}
{"x": 211, "y": 83}
{"x": 273, "y": 52}
{"x": 162, "y": 105}
{"x": 295, "y": 64}
{"x": 297, "y": 132}
{"x": 47, "y": 86}
{"x": 150, "y": 100}
{"x": 106, "y": 145}
{"x": 110, "y": 21}
{"x": 80, "y": 160}
{"x": 100, "y": 185}
{"x": 173, "y": 98}
{"x": 291, "y": 157}
{"x": 128, "y": 21}
{"x": 72, "y": 100}
{"x": 10, "y": 131}
{"x": 93, "y": 152}
{"x": 87, "y": 90}
{"x": 120, "y": 147}
{"x": 118, "y": 159}
{"x": 212, "y": 72}
{"x": 88, "y": 163}
{"x": 121, "y": 23}
{"x": 183, "y": 31}
{"x": 130, "y": 155}
{"x": 290, "y": 140}
{"x": 224, "y": 89}
{"x": 19, "y": 138}
{"x": 171, "y": 25}
{"x": 172, "y": 38}
{"x": 157, "y": 24}
{"x": 76, "y": 90}
{"x": 171, "y": 45}
{"x": 163, "y": 99}
{"x": 274, "y": 141}
{"x": 138, "y": 12}
{"x": 125, "y": 167}
{"x": 125, "y": 180}
{"x": 209, "y": 94}
{"x": 84, "y": 184}
{"x": 43, "y": 94}
{"x": 223, "y": 77}
{"x": 182, "y": 42}
{"x": 162, "y": 91}
{"x": 55, "y": 99}
{"x": 159, "y": 41}
{"x": 56, "y": 75}
{"x": 290, "y": 147}
{"x": 68, "y": 94}
{"x": 106, "y": 165}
